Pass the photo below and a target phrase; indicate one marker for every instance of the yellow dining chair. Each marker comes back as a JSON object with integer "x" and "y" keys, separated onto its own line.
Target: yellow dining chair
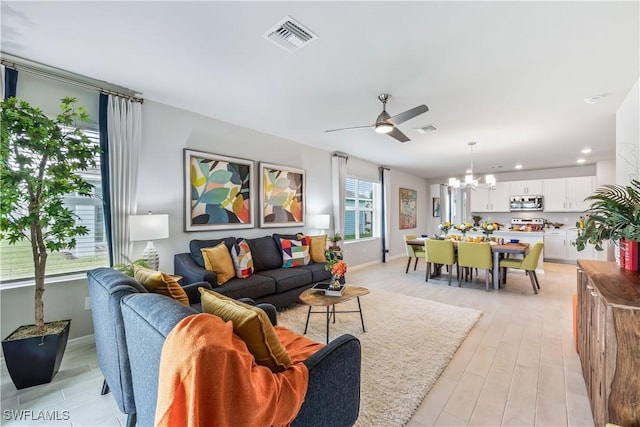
{"x": 475, "y": 255}
{"x": 412, "y": 252}
{"x": 528, "y": 264}
{"x": 440, "y": 252}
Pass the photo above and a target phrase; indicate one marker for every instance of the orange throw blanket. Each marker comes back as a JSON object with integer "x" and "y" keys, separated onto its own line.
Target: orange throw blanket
{"x": 209, "y": 378}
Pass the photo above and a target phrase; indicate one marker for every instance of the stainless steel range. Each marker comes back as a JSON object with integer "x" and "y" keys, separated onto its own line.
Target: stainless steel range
{"x": 527, "y": 224}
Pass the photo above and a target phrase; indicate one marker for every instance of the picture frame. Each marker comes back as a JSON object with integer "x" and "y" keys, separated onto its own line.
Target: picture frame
{"x": 218, "y": 192}
{"x": 436, "y": 207}
{"x": 408, "y": 208}
{"x": 282, "y": 196}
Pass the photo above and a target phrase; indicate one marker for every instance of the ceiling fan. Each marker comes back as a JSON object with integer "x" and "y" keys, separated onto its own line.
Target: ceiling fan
{"x": 387, "y": 124}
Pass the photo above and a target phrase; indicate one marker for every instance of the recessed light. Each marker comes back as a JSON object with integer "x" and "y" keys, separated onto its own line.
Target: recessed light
{"x": 585, "y": 150}
{"x": 596, "y": 99}
{"x": 518, "y": 166}
{"x": 580, "y": 161}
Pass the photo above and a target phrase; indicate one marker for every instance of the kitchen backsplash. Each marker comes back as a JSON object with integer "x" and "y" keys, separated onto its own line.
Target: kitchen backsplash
{"x": 569, "y": 219}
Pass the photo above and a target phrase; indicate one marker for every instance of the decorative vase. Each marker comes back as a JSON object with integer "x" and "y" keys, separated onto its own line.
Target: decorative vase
{"x": 335, "y": 282}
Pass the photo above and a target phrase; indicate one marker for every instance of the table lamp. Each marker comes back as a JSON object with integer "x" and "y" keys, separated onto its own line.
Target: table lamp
{"x": 322, "y": 222}
{"x": 149, "y": 227}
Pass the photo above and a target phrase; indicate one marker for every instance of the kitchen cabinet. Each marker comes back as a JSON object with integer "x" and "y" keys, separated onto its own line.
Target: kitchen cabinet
{"x": 494, "y": 199}
{"x": 567, "y": 194}
{"x": 555, "y": 245}
{"x": 519, "y": 188}
{"x": 608, "y": 315}
{"x": 559, "y": 245}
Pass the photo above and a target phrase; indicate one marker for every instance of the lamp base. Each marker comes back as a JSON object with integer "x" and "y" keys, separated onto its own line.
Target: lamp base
{"x": 150, "y": 255}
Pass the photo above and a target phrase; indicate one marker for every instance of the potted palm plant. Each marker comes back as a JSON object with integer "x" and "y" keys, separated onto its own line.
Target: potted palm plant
{"x": 41, "y": 160}
{"x": 614, "y": 214}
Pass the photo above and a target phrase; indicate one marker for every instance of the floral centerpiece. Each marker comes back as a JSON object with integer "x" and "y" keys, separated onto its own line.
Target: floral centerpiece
{"x": 445, "y": 227}
{"x": 464, "y": 228}
{"x": 488, "y": 228}
{"x": 336, "y": 266}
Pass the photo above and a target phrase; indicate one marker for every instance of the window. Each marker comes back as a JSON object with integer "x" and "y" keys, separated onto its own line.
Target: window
{"x": 360, "y": 208}
{"x": 91, "y": 249}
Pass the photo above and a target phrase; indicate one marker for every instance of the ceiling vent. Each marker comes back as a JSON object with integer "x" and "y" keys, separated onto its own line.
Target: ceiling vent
{"x": 290, "y": 35}
{"x": 425, "y": 129}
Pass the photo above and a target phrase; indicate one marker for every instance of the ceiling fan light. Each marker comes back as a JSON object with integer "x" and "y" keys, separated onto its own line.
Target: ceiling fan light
{"x": 384, "y": 127}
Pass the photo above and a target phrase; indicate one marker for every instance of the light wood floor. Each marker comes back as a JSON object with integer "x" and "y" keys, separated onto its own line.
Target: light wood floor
{"x": 517, "y": 367}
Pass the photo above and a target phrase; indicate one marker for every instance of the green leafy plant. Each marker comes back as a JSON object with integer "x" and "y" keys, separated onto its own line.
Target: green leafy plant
{"x": 614, "y": 214}
{"x": 128, "y": 267}
{"x": 40, "y": 163}
{"x": 335, "y": 238}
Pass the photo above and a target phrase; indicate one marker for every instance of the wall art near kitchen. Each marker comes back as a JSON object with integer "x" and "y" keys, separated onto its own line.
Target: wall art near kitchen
{"x": 218, "y": 192}
{"x": 282, "y": 197}
{"x": 408, "y": 208}
{"x": 436, "y": 206}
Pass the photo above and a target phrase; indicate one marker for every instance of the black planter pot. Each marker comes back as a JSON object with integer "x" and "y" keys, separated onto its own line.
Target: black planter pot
{"x": 36, "y": 360}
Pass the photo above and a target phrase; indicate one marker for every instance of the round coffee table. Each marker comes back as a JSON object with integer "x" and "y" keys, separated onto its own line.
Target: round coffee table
{"x": 315, "y": 298}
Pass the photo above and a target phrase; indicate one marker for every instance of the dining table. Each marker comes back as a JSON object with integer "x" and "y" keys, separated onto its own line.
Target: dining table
{"x": 496, "y": 249}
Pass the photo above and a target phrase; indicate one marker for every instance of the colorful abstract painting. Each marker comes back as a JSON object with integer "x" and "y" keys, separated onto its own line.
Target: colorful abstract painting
{"x": 282, "y": 196}
{"x": 408, "y": 208}
{"x": 218, "y": 192}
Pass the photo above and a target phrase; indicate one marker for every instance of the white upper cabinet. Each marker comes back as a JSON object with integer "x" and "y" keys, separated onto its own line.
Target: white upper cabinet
{"x": 567, "y": 194}
{"x": 495, "y": 199}
{"x": 519, "y": 188}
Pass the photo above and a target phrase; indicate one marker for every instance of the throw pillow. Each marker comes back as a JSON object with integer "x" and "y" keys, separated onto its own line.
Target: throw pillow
{"x": 160, "y": 283}
{"x": 218, "y": 260}
{"x": 295, "y": 252}
{"x": 242, "y": 260}
{"x": 252, "y": 325}
{"x": 317, "y": 247}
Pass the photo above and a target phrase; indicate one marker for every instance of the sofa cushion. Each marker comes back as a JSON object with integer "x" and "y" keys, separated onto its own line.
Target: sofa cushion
{"x": 219, "y": 260}
{"x": 295, "y": 252}
{"x": 288, "y": 278}
{"x": 277, "y": 237}
{"x": 265, "y": 253}
{"x": 255, "y": 286}
{"x": 242, "y": 259}
{"x": 317, "y": 246}
{"x": 195, "y": 247}
{"x": 318, "y": 273}
{"x": 160, "y": 283}
{"x": 252, "y": 325}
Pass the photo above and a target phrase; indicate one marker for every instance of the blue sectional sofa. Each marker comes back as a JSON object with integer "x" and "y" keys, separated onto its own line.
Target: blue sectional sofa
{"x": 271, "y": 282}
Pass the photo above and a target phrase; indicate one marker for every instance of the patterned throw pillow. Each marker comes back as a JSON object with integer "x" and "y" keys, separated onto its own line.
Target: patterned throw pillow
{"x": 242, "y": 260}
{"x": 218, "y": 260}
{"x": 295, "y": 252}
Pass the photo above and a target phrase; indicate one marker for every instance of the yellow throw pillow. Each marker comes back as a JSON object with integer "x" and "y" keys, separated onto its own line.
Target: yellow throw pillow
{"x": 158, "y": 282}
{"x": 318, "y": 246}
{"x": 218, "y": 260}
{"x": 252, "y": 325}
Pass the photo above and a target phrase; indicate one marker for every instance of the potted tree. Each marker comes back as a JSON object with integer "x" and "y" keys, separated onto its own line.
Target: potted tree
{"x": 614, "y": 214}
{"x": 41, "y": 160}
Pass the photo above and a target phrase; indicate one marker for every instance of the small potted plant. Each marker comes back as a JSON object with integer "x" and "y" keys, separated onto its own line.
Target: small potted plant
{"x": 335, "y": 239}
{"x": 42, "y": 161}
{"x": 476, "y": 220}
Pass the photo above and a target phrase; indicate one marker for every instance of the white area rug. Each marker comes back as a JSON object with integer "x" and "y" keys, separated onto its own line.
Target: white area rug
{"x": 408, "y": 343}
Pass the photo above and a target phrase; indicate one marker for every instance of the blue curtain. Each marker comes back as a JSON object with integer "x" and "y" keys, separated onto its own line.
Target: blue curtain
{"x": 104, "y": 173}
{"x": 10, "y": 82}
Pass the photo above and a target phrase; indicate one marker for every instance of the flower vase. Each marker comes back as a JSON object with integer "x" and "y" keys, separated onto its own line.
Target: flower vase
{"x": 335, "y": 282}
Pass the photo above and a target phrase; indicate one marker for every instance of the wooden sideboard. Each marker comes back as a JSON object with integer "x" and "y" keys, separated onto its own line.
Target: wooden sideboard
{"x": 609, "y": 341}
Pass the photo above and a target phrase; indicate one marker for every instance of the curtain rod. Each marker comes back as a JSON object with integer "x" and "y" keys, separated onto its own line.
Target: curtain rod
{"x": 49, "y": 75}
{"x": 339, "y": 154}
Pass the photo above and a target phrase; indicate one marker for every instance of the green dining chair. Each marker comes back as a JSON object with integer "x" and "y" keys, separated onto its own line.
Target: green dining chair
{"x": 440, "y": 252}
{"x": 528, "y": 264}
{"x": 412, "y": 252}
{"x": 475, "y": 255}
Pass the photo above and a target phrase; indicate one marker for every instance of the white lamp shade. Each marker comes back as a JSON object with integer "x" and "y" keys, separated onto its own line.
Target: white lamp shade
{"x": 148, "y": 227}
{"x": 322, "y": 221}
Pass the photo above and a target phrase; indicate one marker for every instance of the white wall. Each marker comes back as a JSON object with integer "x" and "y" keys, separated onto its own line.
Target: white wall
{"x": 628, "y": 138}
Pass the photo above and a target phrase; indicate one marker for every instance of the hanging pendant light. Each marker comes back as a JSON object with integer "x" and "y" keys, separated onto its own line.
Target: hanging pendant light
{"x": 469, "y": 180}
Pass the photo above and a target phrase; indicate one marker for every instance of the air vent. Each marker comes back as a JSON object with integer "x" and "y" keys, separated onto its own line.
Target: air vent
{"x": 290, "y": 35}
{"x": 425, "y": 129}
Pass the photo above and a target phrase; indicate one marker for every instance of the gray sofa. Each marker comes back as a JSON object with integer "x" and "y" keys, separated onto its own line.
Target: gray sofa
{"x": 270, "y": 283}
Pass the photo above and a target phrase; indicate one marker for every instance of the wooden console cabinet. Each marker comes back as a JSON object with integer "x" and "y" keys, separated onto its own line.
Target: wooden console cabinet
{"x": 609, "y": 341}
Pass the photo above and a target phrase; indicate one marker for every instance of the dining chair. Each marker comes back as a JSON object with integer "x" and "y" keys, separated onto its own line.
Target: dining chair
{"x": 412, "y": 252}
{"x": 475, "y": 255}
{"x": 528, "y": 264}
{"x": 440, "y": 252}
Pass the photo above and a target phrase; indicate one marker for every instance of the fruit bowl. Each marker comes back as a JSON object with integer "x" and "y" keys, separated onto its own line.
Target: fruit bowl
{"x": 514, "y": 241}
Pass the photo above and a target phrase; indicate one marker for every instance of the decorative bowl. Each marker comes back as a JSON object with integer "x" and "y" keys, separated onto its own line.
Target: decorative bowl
{"x": 514, "y": 241}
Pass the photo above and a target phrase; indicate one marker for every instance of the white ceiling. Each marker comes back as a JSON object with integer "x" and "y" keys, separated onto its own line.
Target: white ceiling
{"x": 512, "y": 76}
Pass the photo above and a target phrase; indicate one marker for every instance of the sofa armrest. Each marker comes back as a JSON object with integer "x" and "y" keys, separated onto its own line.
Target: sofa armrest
{"x": 192, "y": 291}
{"x": 333, "y": 394}
{"x": 191, "y": 272}
{"x": 270, "y": 309}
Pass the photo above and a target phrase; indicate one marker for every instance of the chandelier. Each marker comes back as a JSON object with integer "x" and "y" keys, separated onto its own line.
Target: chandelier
{"x": 469, "y": 180}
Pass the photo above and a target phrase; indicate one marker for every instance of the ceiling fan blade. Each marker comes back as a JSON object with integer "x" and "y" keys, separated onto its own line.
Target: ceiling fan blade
{"x": 409, "y": 114}
{"x": 354, "y": 127}
{"x": 398, "y": 135}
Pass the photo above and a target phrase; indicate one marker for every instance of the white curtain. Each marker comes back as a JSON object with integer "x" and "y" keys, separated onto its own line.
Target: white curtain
{"x": 385, "y": 175}
{"x": 339, "y": 178}
{"x": 124, "y": 126}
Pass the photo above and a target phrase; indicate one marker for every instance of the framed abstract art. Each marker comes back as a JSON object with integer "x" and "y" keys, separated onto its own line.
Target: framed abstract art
{"x": 282, "y": 197}
{"x": 408, "y": 208}
{"x": 218, "y": 192}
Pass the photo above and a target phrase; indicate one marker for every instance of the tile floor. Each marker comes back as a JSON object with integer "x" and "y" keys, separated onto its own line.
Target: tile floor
{"x": 517, "y": 367}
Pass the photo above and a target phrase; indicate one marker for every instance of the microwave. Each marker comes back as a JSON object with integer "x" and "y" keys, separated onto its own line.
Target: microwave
{"x": 525, "y": 203}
